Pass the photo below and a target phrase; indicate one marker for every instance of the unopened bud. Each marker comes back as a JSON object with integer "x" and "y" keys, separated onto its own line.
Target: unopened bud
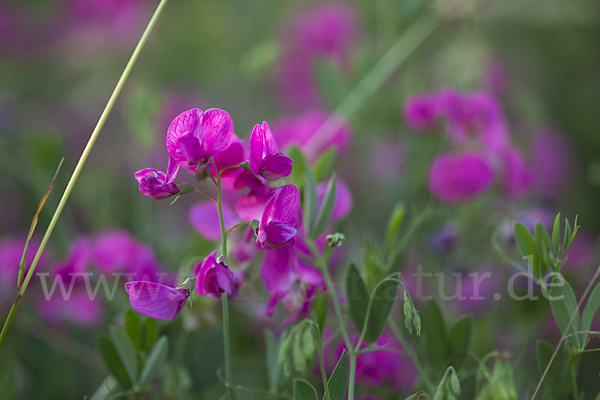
{"x": 222, "y": 260}
{"x": 308, "y": 343}
{"x": 336, "y": 240}
{"x": 454, "y": 383}
{"x": 285, "y": 349}
{"x": 297, "y": 353}
{"x": 417, "y": 322}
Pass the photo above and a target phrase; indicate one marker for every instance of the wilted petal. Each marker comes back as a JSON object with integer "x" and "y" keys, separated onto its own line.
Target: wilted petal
{"x": 155, "y": 300}
{"x": 205, "y": 219}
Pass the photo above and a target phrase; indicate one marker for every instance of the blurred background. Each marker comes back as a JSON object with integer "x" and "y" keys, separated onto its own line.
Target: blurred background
{"x": 290, "y": 64}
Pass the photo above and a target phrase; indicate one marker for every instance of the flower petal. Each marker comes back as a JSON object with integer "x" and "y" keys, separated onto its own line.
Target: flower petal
{"x": 155, "y": 300}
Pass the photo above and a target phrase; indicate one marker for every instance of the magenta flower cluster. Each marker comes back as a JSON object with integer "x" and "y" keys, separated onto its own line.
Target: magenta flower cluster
{"x": 204, "y": 143}
{"x": 474, "y": 125}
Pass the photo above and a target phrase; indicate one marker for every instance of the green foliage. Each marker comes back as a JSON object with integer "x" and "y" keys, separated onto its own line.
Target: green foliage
{"x": 155, "y": 362}
{"x": 564, "y": 306}
{"x": 275, "y": 373}
{"x": 324, "y": 165}
{"x": 338, "y": 381}
{"x": 304, "y": 390}
{"x": 323, "y": 218}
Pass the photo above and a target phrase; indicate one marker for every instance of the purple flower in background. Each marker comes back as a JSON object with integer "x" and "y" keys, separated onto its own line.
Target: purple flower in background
{"x": 157, "y": 301}
{"x": 195, "y": 136}
{"x": 265, "y": 159}
{"x": 72, "y": 302}
{"x": 11, "y": 250}
{"x": 516, "y": 179}
{"x": 277, "y": 225}
{"x": 553, "y": 161}
{"x": 343, "y": 199}
{"x": 326, "y": 31}
{"x": 235, "y": 154}
{"x": 156, "y": 184}
{"x": 459, "y": 177}
{"x": 301, "y": 131}
{"x": 387, "y": 159}
{"x": 421, "y": 112}
{"x": 388, "y": 365}
{"x": 214, "y": 278}
{"x": 476, "y": 290}
{"x": 289, "y": 281}
{"x": 205, "y": 219}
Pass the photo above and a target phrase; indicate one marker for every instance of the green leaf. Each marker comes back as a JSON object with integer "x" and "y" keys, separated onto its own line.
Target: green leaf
{"x": 383, "y": 298}
{"x": 310, "y": 200}
{"x": 112, "y": 361}
{"x": 324, "y": 215}
{"x": 527, "y": 247}
{"x": 542, "y": 242}
{"x": 563, "y": 308}
{"x": 544, "y": 354}
{"x": 105, "y": 388}
{"x": 320, "y": 307}
{"x": 126, "y": 351}
{"x": 133, "y": 327}
{"x": 338, "y": 381}
{"x": 460, "y": 338}
{"x": 435, "y": 336}
{"x": 298, "y": 167}
{"x": 394, "y": 224}
{"x": 566, "y": 238}
{"x": 556, "y": 234}
{"x": 155, "y": 361}
{"x": 304, "y": 390}
{"x": 590, "y": 310}
{"x": 274, "y": 366}
{"x": 358, "y": 297}
{"x": 324, "y": 164}
{"x": 150, "y": 333}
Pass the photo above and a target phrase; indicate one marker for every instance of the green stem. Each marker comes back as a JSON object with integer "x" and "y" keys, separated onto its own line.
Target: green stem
{"x": 574, "y": 380}
{"x": 338, "y": 312}
{"x": 322, "y": 365}
{"x": 226, "y": 342}
{"x": 82, "y": 160}
{"x": 391, "y": 60}
{"x": 410, "y": 352}
{"x": 224, "y": 299}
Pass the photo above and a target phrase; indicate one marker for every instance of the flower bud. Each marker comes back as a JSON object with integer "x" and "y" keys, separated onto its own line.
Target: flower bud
{"x": 336, "y": 240}
{"x": 297, "y": 353}
{"x": 454, "y": 383}
{"x": 308, "y": 343}
{"x": 285, "y": 349}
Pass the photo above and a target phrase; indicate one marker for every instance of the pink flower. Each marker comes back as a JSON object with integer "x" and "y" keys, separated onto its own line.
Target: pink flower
{"x": 421, "y": 112}
{"x": 277, "y": 225}
{"x": 289, "y": 281}
{"x": 265, "y": 159}
{"x": 156, "y": 184}
{"x": 155, "y": 300}
{"x": 214, "y": 278}
{"x": 516, "y": 177}
{"x": 553, "y": 162}
{"x": 195, "y": 136}
{"x": 459, "y": 177}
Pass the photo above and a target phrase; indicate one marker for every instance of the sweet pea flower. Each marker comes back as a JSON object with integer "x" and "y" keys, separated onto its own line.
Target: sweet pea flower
{"x": 388, "y": 365}
{"x": 290, "y": 281}
{"x": 158, "y": 301}
{"x": 214, "y": 278}
{"x": 195, "y": 136}
{"x": 516, "y": 177}
{"x": 421, "y": 112}
{"x": 156, "y": 184}
{"x": 265, "y": 159}
{"x": 459, "y": 177}
{"x": 72, "y": 302}
{"x": 553, "y": 162}
{"x": 277, "y": 225}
